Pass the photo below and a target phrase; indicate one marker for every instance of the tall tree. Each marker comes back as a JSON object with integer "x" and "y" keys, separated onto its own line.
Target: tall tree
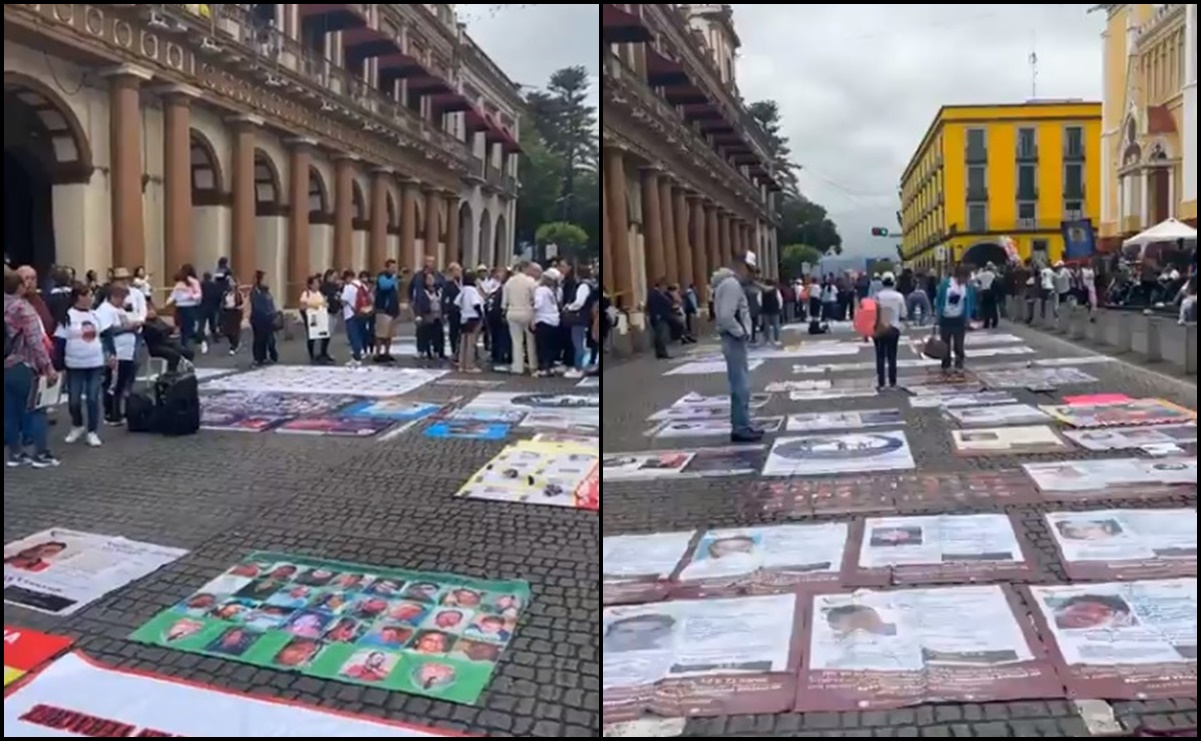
{"x": 767, "y": 113}
{"x": 541, "y": 173}
{"x": 806, "y": 222}
{"x": 573, "y": 132}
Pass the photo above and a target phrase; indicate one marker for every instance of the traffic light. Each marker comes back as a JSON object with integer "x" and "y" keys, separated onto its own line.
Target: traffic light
{"x": 879, "y": 231}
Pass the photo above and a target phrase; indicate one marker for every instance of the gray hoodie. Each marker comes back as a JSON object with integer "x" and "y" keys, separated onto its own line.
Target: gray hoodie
{"x": 730, "y": 307}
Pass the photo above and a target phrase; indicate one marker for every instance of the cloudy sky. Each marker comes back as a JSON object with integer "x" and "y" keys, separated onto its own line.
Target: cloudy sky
{"x": 858, "y": 85}
{"x": 530, "y": 41}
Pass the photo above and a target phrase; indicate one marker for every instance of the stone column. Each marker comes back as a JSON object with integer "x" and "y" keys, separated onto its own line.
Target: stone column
{"x": 433, "y": 211}
{"x": 408, "y": 225}
{"x": 713, "y": 237}
{"x": 683, "y": 244}
{"x": 725, "y": 248}
{"x": 454, "y": 249}
{"x": 652, "y": 225}
{"x": 242, "y": 247}
{"x": 377, "y": 239}
{"x": 700, "y": 258}
{"x": 619, "y": 226}
{"x": 606, "y": 243}
{"x": 125, "y": 174}
{"x": 344, "y": 213}
{"x": 300, "y": 162}
{"x": 177, "y": 180}
{"x": 670, "y": 248}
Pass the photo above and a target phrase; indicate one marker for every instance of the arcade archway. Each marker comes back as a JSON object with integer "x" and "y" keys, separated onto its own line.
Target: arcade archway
{"x": 982, "y": 253}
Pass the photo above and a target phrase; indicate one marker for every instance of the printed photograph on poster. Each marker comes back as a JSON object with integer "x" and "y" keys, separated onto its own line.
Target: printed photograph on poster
{"x": 590, "y": 442}
{"x": 397, "y": 410}
{"x": 1024, "y": 440}
{"x": 766, "y": 558}
{"x": 500, "y": 406}
{"x": 218, "y": 421}
{"x": 1003, "y": 414}
{"x": 1096, "y": 399}
{"x": 708, "y": 368}
{"x": 62, "y": 571}
{"x": 465, "y": 429}
{"x": 721, "y": 401}
{"x": 1126, "y": 544}
{"x": 1123, "y": 640}
{"x": 682, "y": 413}
{"x": 481, "y": 414}
{"x": 539, "y": 473}
{"x": 335, "y": 426}
{"x": 317, "y": 323}
{"x": 355, "y": 623}
{"x": 142, "y": 704}
{"x": 1107, "y": 477}
{"x": 636, "y": 568}
{"x": 1127, "y": 438}
{"x": 1035, "y": 377}
{"x": 956, "y": 400}
{"x": 48, "y": 394}
{"x": 822, "y": 455}
{"x": 782, "y": 387}
{"x": 310, "y": 379}
{"x": 838, "y": 421}
{"x": 27, "y": 650}
{"x": 643, "y": 466}
{"x": 888, "y": 649}
{"x": 927, "y": 387}
{"x": 271, "y": 404}
{"x": 1137, "y": 412}
{"x": 828, "y": 394}
{"x": 681, "y": 646}
{"x": 824, "y": 368}
{"x": 709, "y": 427}
{"x": 571, "y": 421}
{"x": 943, "y": 548}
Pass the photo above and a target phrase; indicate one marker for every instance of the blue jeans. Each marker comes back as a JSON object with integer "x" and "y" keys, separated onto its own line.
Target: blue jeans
{"x": 23, "y": 425}
{"x": 81, "y": 383}
{"x": 188, "y": 319}
{"x": 579, "y": 342}
{"x": 771, "y": 328}
{"x": 356, "y": 333}
{"x": 739, "y": 376}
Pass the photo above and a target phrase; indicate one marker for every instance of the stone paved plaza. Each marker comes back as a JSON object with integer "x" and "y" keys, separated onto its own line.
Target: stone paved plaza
{"x": 380, "y": 502}
{"x": 637, "y": 389}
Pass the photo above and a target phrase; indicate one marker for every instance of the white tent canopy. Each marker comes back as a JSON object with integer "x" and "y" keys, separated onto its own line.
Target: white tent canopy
{"x": 1171, "y": 230}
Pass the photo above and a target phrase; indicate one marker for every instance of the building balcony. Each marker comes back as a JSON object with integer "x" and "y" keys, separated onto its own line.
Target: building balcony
{"x": 494, "y": 177}
{"x": 476, "y": 170}
{"x": 511, "y": 186}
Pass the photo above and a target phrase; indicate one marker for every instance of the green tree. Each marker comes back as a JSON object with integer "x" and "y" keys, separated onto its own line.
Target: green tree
{"x": 806, "y": 222}
{"x": 882, "y": 266}
{"x": 541, "y": 173}
{"x": 568, "y": 237}
{"x": 793, "y": 259}
{"x": 767, "y": 113}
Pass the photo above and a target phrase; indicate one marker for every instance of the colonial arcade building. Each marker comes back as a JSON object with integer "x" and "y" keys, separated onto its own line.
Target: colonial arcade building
{"x": 688, "y": 176}
{"x": 291, "y": 138}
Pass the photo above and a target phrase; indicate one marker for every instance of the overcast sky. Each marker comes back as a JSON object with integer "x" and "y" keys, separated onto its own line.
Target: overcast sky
{"x": 858, "y": 85}
{"x": 531, "y": 41}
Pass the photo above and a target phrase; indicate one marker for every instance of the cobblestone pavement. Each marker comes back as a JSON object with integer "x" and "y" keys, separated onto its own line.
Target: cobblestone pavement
{"x": 636, "y": 390}
{"x": 221, "y": 495}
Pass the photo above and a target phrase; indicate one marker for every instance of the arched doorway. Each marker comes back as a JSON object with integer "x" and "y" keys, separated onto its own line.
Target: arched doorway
{"x": 982, "y": 253}
{"x": 44, "y": 147}
{"x": 484, "y": 239}
{"x": 208, "y": 182}
{"x": 467, "y": 251}
{"x": 502, "y": 249}
{"x": 267, "y": 188}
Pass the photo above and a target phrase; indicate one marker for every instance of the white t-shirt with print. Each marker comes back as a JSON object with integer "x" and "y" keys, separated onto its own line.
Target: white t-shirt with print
{"x": 956, "y": 297}
{"x": 82, "y": 332}
{"x": 125, "y": 343}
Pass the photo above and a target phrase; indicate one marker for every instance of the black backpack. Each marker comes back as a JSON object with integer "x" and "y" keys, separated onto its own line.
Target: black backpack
{"x": 770, "y": 305}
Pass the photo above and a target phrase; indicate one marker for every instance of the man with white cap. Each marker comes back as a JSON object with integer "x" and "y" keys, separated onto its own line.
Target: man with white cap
{"x": 732, "y": 314}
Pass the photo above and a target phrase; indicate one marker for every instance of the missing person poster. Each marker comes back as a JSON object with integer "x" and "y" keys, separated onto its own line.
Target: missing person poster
{"x": 943, "y": 548}
{"x": 1126, "y": 544}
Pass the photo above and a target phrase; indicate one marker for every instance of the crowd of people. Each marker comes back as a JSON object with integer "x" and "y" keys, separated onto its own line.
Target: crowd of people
{"x": 93, "y": 334}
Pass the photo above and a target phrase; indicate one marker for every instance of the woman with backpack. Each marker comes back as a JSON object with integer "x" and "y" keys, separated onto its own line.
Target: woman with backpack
{"x": 357, "y": 306}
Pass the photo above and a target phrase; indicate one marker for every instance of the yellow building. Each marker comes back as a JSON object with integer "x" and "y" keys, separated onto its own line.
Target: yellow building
{"x": 1149, "y": 139}
{"x": 992, "y": 175}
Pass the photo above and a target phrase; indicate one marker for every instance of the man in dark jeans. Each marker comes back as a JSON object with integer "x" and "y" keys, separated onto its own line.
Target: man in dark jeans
{"x": 658, "y": 313}
{"x": 953, "y": 307}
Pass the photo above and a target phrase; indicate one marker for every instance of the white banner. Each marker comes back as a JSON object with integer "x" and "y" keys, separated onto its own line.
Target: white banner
{"x": 318, "y": 323}
{"x": 74, "y": 698}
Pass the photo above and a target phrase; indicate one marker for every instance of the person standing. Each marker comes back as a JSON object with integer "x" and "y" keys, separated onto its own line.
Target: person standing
{"x": 262, "y": 321}
{"x": 123, "y": 313}
{"x": 471, "y": 310}
{"x": 890, "y": 319}
{"x": 770, "y": 306}
{"x": 517, "y": 303}
{"x": 986, "y": 279}
{"x": 233, "y": 308}
{"x": 356, "y": 306}
{"x": 86, "y": 351}
{"x": 27, "y": 359}
{"x": 952, "y": 307}
{"x": 311, "y": 300}
{"x": 577, "y": 314}
{"x": 546, "y": 324}
{"x": 732, "y": 315}
{"x": 658, "y": 313}
{"x": 451, "y": 288}
{"x": 387, "y": 311}
{"x": 187, "y": 296}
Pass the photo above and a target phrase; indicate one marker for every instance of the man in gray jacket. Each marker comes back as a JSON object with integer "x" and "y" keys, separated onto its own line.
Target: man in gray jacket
{"x": 732, "y": 314}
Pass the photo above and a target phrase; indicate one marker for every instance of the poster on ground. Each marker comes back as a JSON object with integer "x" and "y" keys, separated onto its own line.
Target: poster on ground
{"x": 1112, "y": 477}
{"x": 272, "y": 404}
{"x": 396, "y": 410}
{"x": 721, "y": 401}
{"x": 1126, "y": 544}
{"x": 872, "y": 650}
{"x": 678, "y": 413}
{"x": 738, "y": 460}
{"x": 1127, "y": 438}
{"x": 76, "y": 697}
{"x": 502, "y": 406}
{"x": 823, "y": 455}
{"x": 319, "y": 379}
{"x": 838, "y": 421}
{"x": 336, "y": 426}
{"x": 62, "y": 571}
{"x": 1129, "y": 413}
{"x": 560, "y": 475}
{"x": 831, "y": 394}
{"x": 26, "y": 650}
{"x": 466, "y": 429}
{"x": 1123, "y": 640}
{"x": 218, "y": 421}
{"x": 709, "y": 427}
{"x": 636, "y": 568}
{"x": 1035, "y": 377}
{"x": 784, "y": 387}
{"x": 1025, "y": 440}
{"x": 694, "y": 658}
{"x": 438, "y": 635}
{"x": 708, "y": 368}
{"x": 935, "y": 400}
{"x": 757, "y": 560}
{"x": 1004, "y": 414}
{"x": 588, "y": 441}
{"x": 942, "y": 549}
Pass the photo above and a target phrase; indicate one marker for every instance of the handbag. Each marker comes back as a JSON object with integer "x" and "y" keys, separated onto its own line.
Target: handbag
{"x": 935, "y": 349}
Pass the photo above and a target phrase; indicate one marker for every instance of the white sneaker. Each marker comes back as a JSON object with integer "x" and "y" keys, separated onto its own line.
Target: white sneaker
{"x": 93, "y": 440}
{"x": 573, "y": 373}
{"x": 233, "y": 351}
{"x": 204, "y": 347}
{"x": 74, "y": 435}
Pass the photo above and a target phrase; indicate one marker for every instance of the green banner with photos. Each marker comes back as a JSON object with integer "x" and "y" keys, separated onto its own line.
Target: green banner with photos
{"x": 437, "y": 635}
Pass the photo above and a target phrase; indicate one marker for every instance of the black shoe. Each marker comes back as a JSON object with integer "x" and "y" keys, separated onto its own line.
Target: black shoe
{"x": 750, "y": 436}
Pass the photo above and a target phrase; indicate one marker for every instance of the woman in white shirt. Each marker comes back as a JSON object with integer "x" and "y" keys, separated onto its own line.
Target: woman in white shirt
{"x": 186, "y": 297}
{"x": 312, "y": 300}
{"x": 122, "y": 313}
{"x": 141, "y": 282}
{"x": 86, "y": 353}
{"x": 471, "y": 312}
{"x": 577, "y": 314}
{"x": 546, "y": 325}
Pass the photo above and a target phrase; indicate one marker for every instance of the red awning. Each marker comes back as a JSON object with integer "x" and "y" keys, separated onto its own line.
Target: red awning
{"x": 622, "y": 27}
{"x": 685, "y": 95}
{"x": 335, "y": 16}
{"x": 700, "y": 111}
{"x": 400, "y": 65}
{"x": 361, "y": 43}
{"x": 476, "y": 121}
{"x": 450, "y": 103}
{"x": 663, "y": 71}
{"x": 429, "y": 85}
